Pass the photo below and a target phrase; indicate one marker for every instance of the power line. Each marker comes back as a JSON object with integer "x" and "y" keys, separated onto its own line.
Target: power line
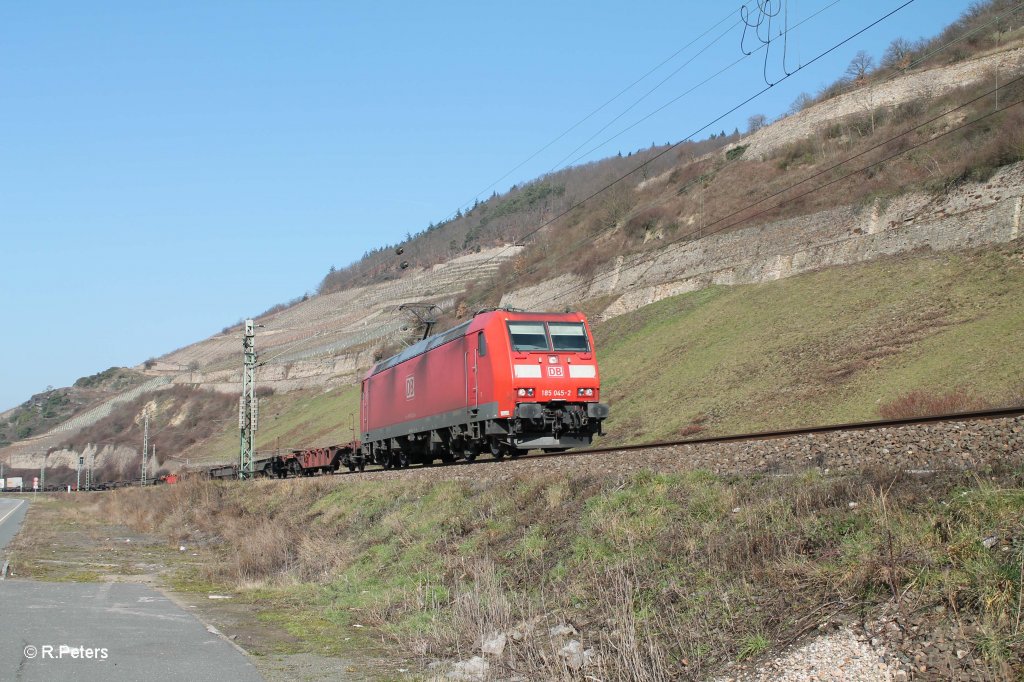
{"x": 468, "y": 204}
{"x": 710, "y": 123}
{"x": 834, "y": 181}
{"x": 625, "y": 111}
{"x": 701, "y": 84}
{"x": 600, "y": 108}
{"x": 893, "y": 76}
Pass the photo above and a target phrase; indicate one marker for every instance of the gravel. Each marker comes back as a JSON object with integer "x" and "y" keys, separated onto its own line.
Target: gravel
{"x": 840, "y": 655}
{"x": 946, "y": 446}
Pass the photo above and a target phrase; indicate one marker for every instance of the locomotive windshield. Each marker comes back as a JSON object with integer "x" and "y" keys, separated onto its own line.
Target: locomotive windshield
{"x": 565, "y": 336}
{"x": 528, "y": 336}
{"x": 568, "y": 336}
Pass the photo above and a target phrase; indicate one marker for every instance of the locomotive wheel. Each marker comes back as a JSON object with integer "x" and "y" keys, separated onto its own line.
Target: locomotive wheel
{"x": 403, "y": 460}
{"x": 362, "y": 465}
{"x": 497, "y": 449}
{"x": 351, "y": 466}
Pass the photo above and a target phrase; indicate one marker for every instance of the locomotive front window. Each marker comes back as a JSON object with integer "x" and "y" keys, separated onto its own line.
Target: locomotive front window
{"x": 528, "y": 336}
{"x": 569, "y": 336}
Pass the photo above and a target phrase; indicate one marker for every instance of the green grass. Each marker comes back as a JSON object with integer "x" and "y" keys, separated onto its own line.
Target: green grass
{"x": 293, "y": 420}
{"x": 822, "y": 347}
{"x": 698, "y": 566}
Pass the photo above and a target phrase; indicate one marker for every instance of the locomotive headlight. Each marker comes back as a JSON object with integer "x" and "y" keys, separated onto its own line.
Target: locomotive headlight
{"x": 590, "y": 392}
{"x": 529, "y": 392}
{"x": 522, "y": 392}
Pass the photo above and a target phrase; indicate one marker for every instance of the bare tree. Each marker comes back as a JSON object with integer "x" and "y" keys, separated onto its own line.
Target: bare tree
{"x": 756, "y": 122}
{"x": 860, "y": 65}
{"x": 897, "y": 55}
{"x": 802, "y": 101}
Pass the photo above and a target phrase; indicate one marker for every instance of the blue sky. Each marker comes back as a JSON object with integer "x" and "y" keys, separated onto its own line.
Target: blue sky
{"x": 169, "y": 168}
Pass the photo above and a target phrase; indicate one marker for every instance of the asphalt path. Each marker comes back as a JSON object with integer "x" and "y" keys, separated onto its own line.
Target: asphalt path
{"x": 104, "y": 632}
{"x": 12, "y": 512}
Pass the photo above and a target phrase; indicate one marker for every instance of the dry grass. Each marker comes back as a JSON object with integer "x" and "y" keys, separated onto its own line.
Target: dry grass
{"x": 180, "y": 417}
{"x": 922, "y": 403}
{"x": 724, "y": 194}
{"x": 664, "y": 576}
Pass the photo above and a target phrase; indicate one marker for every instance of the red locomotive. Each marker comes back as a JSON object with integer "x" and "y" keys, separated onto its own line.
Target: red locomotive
{"x": 504, "y": 382}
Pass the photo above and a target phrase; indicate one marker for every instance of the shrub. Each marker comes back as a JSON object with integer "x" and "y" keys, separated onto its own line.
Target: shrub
{"x": 921, "y": 403}
{"x": 736, "y": 152}
{"x": 644, "y": 221}
{"x": 796, "y": 154}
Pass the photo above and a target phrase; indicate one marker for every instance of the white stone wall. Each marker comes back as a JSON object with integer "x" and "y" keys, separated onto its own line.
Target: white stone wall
{"x": 972, "y": 215}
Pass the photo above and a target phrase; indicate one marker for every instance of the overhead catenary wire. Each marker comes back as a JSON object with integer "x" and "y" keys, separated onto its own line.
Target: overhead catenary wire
{"x": 913, "y": 64}
{"x": 692, "y": 89}
{"x": 732, "y": 110}
{"x": 705, "y": 82}
{"x": 561, "y": 162}
{"x": 597, "y": 110}
{"x": 834, "y": 181}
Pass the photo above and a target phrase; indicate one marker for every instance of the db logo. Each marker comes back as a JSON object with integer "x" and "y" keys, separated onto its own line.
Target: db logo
{"x": 555, "y": 372}
{"x": 410, "y": 387}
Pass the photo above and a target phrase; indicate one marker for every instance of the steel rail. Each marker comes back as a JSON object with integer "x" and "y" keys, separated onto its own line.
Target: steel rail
{"x": 975, "y": 415}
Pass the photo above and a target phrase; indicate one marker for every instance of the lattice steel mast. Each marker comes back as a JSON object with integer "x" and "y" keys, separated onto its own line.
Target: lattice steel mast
{"x": 145, "y": 444}
{"x": 247, "y": 404}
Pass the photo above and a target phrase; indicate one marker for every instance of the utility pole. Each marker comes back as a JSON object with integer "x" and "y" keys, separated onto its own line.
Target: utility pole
{"x": 78, "y": 481}
{"x": 248, "y": 408}
{"x": 42, "y": 474}
{"x": 88, "y": 472}
{"x": 145, "y": 445}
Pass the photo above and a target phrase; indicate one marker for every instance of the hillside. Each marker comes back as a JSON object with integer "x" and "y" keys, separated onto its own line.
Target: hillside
{"x": 44, "y": 411}
{"x": 655, "y": 570}
{"x": 915, "y": 155}
{"x": 831, "y": 346}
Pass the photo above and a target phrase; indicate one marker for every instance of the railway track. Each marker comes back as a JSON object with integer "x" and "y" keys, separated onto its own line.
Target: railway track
{"x": 1000, "y": 413}
{"x": 980, "y": 415}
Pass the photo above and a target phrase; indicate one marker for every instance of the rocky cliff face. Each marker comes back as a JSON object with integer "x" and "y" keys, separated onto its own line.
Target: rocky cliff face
{"x": 970, "y": 216}
{"x": 891, "y": 93}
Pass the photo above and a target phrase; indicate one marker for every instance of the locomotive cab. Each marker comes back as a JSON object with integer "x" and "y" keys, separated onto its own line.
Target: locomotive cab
{"x": 555, "y": 385}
